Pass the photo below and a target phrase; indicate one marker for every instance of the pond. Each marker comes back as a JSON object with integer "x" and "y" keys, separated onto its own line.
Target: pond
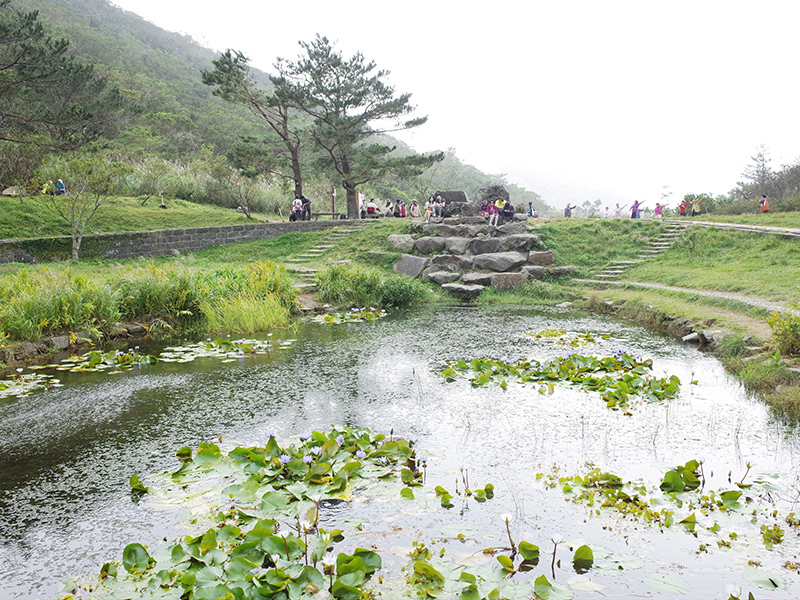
{"x": 66, "y": 455}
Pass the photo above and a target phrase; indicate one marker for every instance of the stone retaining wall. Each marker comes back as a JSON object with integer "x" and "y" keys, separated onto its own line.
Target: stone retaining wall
{"x": 150, "y": 243}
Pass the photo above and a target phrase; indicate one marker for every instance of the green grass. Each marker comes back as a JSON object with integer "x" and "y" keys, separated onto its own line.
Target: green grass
{"x": 33, "y": 219}
{"x": 772, "y": 219}
{"x": 765, "y": 266}
{"x": 591, "y": 245}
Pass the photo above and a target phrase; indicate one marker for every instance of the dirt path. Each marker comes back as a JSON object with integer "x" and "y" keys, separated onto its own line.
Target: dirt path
{"x": 749, "y": 300}
{"x": 786, "y": 231}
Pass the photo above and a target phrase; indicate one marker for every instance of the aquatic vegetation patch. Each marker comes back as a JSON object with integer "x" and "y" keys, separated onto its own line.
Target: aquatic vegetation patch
{"x": 563, "y": 337}
{"x": 354, "y": 315}
{"x": 23, "y": 384}
{"x": 722, "y": 519}
{"x": 262, "y": 507}
{"x": 617, "y": 378}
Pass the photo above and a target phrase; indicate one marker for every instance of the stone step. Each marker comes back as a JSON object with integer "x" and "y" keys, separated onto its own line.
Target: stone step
{"x": 305, "y": 287}
{"x": 603, "y": 276}
{"x": 307, "y": 256}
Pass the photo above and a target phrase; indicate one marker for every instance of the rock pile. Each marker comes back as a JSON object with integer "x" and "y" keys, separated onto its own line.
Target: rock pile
{"x": 465, "y": 254}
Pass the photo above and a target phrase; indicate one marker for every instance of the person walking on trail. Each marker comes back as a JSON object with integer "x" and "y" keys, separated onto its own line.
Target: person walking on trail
{"x": 763, "y": 204}
{"x": 696, "y": 206}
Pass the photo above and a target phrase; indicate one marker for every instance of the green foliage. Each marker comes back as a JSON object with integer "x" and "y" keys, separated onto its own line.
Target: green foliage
{"x": 617, "y": 377}
{"x": 266, "y": 540}
{"x": 40, "y": 302}
{"x": 592, "y": 245}
{"x": 786, "y": 331}
{"x": 682, "y": 478}
{"x": 348, "y": 284}
{"x": 348, "y": 102}
{"x": 399, "y": 290}
{"x": 48, "y": 97}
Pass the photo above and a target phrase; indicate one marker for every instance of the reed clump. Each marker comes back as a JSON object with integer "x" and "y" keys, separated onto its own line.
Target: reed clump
{"x": 41, "y": 302}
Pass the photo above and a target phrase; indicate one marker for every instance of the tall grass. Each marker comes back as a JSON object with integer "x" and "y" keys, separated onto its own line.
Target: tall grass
{"x": 40, "y": 302}
{"x": 348, "y": 284}
{"x": 43, "y": 302}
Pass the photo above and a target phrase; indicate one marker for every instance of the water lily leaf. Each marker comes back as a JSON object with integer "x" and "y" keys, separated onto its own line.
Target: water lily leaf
{"x": 672, "y": 482}
{"x": 551, "y": 591}
{"x": 135, "y": 558}
{"x": 529, "y": 552}
{"x": 372, "y": 561}
{"x": 583, "y": 559}
{"x": 668, "y": 584}
{"x": 215, "y": 592}
{"x": 506, "y": 563}
{"x": 407, "y": 493}
{"x": 730, "y": 497}
{"x": 345, "y": 592}
{"x": 763, "y": 579}
{"x": 137, "y": 485}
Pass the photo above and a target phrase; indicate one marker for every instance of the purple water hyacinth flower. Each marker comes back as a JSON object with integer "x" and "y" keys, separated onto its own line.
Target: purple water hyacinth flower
{"x": 566, "y": 355}
{"x": 361, "y": 454}
{"x": 304, "y": 436}
{"x": 136, "y": 347}
{"x": 339, "y": 440}
{"x": 494, "y": 368}
{"x": 270, "y": 433}
{"x": 308, "y": 458}
{"x": 412, "y": 439}
{"x": 285, "y": 458}
{"x": 316, "y": 450}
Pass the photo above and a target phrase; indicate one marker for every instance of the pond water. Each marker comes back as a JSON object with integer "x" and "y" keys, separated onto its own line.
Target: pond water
{"x": 66, "y": 453}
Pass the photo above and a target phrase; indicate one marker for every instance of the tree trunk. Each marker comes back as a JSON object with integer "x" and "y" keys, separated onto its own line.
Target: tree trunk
{"x": 76, "y": 246}
{"x": 297, "y": 174}
{"x": 352, "y": 200}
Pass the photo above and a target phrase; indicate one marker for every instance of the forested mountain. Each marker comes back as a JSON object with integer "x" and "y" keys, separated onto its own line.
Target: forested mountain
{"x": 179, "y": 122}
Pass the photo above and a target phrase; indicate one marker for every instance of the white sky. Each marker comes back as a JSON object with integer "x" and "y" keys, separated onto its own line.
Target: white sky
{"x": 576, "y": 100}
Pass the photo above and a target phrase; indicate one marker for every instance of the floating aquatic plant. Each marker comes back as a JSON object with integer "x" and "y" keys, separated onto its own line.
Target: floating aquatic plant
{"x": 616, "y": 377}
{"x": 354, "y": 315}
{"x": 22, "y": 384}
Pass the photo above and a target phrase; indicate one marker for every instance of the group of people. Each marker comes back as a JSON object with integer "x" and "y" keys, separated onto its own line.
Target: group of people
{"x": 301, "y": 209}
{"x": 498, "y": 209}
{"x": 391, "y": 209}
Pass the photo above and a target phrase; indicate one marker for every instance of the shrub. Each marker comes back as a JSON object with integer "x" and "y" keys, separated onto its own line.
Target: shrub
{"x": 398, "y": 290}
{"x": 43, "y": 302}
{"x": 786, "y": 331}
{"x": 158, "y": 291}
{"x": 349, "y": 284}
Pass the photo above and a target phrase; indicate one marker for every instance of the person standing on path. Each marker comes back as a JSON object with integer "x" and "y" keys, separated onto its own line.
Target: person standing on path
{"x": 568, "y": 210}
{"x": 763, "y": 204}
{"x": 619, "y": 210}
{"x": 696, "y": 206}
{"x": 635, "y": 209}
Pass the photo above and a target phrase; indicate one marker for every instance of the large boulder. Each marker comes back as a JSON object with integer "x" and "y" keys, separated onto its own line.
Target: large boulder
{"x": 429, "y": 245}
{"x": 453, "y": 261}
{"x": 565, "y": 271}
{"x": 474, "y": 230}
{"x": 401, "y": 242}
{"x": 476, "y": 278}
{"x": 491, "y": 194}
{"x": 508, "y": 281}
{"x": 411, "y": 265}
{"x": 455, "y": 203}
{"x": 543, "y": 259}
{"x": 442, "y": 277}
{"x": 520, "y": 242}
{"x": 534, "y": 271}
{"x": 456, "y": 245}
{"x": 463, "y": 292}
{"x": 500, "y": 261}
{"x": 445, "y": 230}
{"x": 511, "y": 228}
{"x": 485, "y": 245}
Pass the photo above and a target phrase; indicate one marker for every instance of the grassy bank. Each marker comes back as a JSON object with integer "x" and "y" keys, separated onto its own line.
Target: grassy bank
{"x": 32, "y": 218}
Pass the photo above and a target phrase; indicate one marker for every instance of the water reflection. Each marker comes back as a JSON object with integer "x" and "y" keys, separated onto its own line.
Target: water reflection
{"x": 66, "y": 454}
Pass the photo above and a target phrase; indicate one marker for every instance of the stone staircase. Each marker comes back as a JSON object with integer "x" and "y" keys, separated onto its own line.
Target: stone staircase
{"x": 294, "y": 263}
{"x": 670, "y": 234}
